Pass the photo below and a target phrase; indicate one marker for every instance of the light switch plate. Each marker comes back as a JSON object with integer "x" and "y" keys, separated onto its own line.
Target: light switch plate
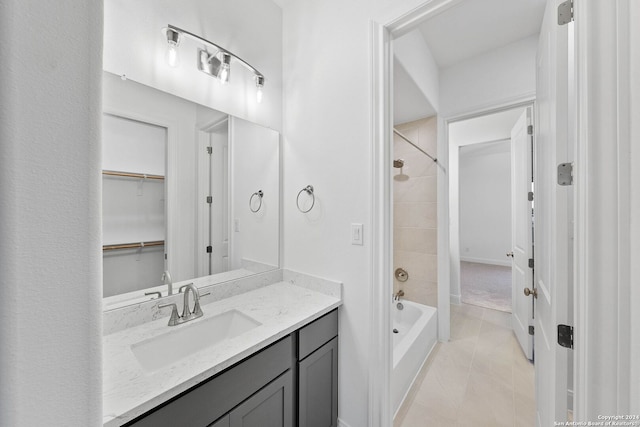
{"x": 356, "y": 234}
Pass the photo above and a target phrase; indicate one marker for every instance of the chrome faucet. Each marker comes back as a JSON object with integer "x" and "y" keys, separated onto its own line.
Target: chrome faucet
{"x": 166, "y": 280}
{"x": 187, "y": 314}
{"x": 396, "y": 296}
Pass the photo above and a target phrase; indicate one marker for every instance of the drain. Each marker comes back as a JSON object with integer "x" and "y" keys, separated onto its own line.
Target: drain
{"x": 395, "y": 331}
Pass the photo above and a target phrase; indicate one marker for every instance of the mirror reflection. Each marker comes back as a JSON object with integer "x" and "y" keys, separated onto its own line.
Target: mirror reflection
{"x": 188, "y": 191}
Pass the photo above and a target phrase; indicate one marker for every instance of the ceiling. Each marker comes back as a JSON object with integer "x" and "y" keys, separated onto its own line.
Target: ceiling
{"x": 473, "y": 27}
{"x": 467, "y": 29}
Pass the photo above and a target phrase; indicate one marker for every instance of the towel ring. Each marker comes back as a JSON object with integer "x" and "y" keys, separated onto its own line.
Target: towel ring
{"x": 309, "y": 190}
{"x": 258, "y": 193}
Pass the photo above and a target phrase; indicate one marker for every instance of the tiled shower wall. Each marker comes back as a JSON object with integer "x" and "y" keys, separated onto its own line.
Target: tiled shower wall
{"x": 415, "y": 211}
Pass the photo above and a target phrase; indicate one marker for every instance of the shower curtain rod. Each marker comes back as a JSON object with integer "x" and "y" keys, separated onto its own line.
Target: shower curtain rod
{"x": 420, "y": 149}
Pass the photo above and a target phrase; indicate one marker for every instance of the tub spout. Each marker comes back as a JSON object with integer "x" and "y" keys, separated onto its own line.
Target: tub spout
{"x": 396, "y": 296}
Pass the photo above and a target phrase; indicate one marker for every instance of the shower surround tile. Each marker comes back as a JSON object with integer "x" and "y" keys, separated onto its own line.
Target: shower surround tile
{"x": 415, "y": 211}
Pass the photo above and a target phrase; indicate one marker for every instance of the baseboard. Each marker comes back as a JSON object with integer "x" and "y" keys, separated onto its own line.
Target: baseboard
{"x": 455, "y": 299}
{"x": 342, "y": 423}
{"x": 487, "y": 261}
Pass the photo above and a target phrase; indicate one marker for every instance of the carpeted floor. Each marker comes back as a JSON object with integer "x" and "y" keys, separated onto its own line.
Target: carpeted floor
{"x": 486, "y": 285}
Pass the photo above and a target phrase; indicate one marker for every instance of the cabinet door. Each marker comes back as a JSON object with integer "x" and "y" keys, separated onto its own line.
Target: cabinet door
{"x": 270, "y": 407}
{"x": 222, "y": 422}
{"x": 318, "y": 387}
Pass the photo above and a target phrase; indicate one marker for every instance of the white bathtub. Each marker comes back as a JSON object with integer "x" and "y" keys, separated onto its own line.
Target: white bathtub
{"x": 417, "y": 327}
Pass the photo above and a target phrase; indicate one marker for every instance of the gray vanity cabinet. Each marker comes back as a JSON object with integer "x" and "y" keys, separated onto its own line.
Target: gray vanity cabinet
{"x": 222, "y": 422}
{"x": 270, "y": 407}
{"x": 318, "y": 373}
{"x": 291, "y": 383}
{"x": 214, "y": 398}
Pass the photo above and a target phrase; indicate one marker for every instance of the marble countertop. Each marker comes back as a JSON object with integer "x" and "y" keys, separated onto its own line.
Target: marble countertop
{"x": 129, "y": 390}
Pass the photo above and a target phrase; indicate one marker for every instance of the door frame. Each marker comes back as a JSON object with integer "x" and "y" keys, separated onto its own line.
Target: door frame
{"x": 381, "y": 352}
{"x": 606, "y": 343}
{"x": 599, "y": 25}
{"x": 453, "y": 194}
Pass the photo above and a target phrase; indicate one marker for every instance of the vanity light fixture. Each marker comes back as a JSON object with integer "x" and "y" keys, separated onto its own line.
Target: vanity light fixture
{"x": 259, "y": 86}
{"x": 217, "y": 64}
{"x": 173, "y": 41}
{"x": 225, "y": 68}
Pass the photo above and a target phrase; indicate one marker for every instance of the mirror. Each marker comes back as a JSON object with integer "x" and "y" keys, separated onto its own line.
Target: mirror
{"x": 158, "y": 129}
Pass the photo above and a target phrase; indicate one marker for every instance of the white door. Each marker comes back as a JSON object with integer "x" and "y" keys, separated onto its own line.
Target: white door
{"x": 521, "y": 232}
{"x": 552, "y": 230}
{"x": 219, "y": 208}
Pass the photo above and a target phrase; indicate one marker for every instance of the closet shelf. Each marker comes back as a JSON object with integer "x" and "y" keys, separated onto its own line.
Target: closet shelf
{"x": 133, "y": 245}
{"x": 132, "y": 175}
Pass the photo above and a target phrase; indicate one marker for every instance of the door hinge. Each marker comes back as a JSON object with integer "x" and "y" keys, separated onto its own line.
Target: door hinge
{"x": 530, "y": 196}
{"x": 565, "y": 12}
{"x": 209, "y": 199}
{"x": 565, "y": 336}
{"x": 209, "y": 249}
{"x": 530, "y": 262}
{"x": 530, "y": 130}
{"x": 565, "y": 174}
{"x": 209, "y": 150}
{"x": 531, "y": 330}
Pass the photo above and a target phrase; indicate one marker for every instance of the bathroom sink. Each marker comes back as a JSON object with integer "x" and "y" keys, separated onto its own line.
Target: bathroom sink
{"x": 186, "y": 339}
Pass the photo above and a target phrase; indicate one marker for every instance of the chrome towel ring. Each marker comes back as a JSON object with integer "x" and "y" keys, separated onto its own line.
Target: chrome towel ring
{"x": 309, "y": 190}
{"x": 260, "y": 195}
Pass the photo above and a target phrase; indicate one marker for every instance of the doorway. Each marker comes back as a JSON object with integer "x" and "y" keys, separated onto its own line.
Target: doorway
{"x": 467, "y": 88}
{"x": 485, "y": 208}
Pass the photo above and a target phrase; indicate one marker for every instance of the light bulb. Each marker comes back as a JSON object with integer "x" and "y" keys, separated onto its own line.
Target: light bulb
{"x": 225, "y": 68}
{"x": 259, "y": 86}
{"x": 173, "y": 41}
{"x": 172, "y": 57}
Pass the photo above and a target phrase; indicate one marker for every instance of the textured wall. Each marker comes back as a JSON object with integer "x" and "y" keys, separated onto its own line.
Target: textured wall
{"x": 50, "y": 255}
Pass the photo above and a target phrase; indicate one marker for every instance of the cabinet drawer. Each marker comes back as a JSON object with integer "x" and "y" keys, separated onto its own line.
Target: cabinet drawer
{"x": 215, "y": 397}
{"x": 315, "y": 334}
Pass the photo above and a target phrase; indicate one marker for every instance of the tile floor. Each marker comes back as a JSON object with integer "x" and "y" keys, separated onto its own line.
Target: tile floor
{"x": 479, "y": 378}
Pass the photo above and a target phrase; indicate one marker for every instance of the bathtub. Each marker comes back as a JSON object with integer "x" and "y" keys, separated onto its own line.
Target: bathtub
{"x": 417, "y": 327}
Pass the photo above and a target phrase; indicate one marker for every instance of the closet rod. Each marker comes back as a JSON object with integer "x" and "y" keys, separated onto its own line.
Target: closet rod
{"x": 133, "y": 245}
{"x": 132, "y": 175}
{"x": 420, "y": 149}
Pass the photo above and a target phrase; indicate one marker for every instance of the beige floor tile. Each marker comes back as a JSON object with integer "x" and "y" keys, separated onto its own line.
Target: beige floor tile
{"x": 420, "y": 416}
{"x": 479, "y": 378}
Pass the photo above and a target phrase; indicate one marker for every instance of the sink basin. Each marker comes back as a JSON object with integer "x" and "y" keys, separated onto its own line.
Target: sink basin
{"x": 184, "y": 340}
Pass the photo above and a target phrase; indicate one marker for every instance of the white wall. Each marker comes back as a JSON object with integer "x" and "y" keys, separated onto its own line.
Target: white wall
{"x": 50, "y": 255}
{"x": 485, "y": 128}
{"x": 255, "y": 166}
{"x": 485, "y": 203}
{"x": 327, "y": 143}
{"x": 496, "y": 77}
{"x": 251, "y": 29}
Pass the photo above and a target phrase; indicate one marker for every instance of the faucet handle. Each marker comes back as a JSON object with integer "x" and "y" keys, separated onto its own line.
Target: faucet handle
{"x": 173, "y": 320}
{"x": 197, "y": 311}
